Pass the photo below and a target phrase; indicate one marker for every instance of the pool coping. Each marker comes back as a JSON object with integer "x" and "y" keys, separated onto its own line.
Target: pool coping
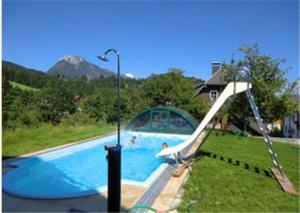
{"x": 5, "y": 163}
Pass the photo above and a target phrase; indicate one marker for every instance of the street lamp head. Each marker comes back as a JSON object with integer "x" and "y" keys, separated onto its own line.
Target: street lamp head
{"x": 103, "y": 58}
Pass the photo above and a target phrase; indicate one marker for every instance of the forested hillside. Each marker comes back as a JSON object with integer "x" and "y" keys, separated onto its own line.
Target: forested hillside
{"x": 80, "y": 100}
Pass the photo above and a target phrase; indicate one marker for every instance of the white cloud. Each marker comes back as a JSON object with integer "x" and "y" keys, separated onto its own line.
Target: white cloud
{"x": 129, "y": 75}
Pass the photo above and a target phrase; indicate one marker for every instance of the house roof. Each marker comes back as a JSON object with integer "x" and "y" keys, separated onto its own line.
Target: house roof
{"x": 216, "y": 80}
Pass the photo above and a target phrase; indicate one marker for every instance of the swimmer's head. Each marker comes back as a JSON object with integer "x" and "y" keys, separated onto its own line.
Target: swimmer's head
{"x": 164, "y": 145}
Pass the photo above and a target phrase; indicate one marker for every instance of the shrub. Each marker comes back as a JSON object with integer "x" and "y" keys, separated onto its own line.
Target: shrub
{"x": 78, "y": 119}
{"x": 276, "y": 132}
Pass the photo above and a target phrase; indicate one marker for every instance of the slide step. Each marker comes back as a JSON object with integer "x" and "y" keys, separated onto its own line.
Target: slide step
{"x": 180, "y": 169}
{"x": 284, "y": 182}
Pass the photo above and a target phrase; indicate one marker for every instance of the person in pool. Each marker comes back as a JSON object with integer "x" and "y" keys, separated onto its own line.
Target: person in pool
{"x": 168, "y": 158}
{"x": 133, "y": 140}
{"x": 164, "y": 145}
{"x": 171, "y": 158}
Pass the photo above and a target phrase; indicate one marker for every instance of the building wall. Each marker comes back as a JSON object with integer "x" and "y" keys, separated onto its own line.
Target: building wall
{"x": 291, "y": 126}
{"x": 205, "y": 95}
{"x": 206, "y": 91}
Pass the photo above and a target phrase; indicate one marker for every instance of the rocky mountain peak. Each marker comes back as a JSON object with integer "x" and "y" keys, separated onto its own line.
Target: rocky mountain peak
{"x": 72, "y": 59}
{"x": 76, "y": 67}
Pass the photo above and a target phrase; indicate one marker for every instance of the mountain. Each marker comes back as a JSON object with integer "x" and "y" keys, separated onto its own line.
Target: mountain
{"x": 74, "y": 66}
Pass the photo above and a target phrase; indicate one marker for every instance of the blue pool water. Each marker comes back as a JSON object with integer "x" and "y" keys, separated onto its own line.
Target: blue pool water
{"x": 82, "y": 169}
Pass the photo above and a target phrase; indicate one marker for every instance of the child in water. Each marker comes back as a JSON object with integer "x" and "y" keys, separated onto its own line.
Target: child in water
{"x": 164, "y": 145}
{"x": 133, "y": 140}
{"x": 168, "y": 159}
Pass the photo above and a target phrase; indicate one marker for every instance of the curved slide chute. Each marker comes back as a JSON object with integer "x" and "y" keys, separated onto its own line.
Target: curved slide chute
{"x": 231, "y": 89}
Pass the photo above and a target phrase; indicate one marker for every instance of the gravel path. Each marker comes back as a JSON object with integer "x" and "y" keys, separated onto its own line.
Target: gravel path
{"x": 295, "y": 141}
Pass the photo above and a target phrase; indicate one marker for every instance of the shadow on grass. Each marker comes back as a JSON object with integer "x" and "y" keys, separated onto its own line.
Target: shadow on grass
{"x": 234, "y": 162}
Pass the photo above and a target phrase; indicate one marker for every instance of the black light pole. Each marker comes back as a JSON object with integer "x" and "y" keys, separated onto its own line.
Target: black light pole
{"x": 114, "y": 152}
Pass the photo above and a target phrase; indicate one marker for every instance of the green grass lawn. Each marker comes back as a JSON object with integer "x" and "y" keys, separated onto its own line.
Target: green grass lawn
{"x": 23, "y": 141}
{"x": 22, "y": 86}
{"x": 236, "y": 177}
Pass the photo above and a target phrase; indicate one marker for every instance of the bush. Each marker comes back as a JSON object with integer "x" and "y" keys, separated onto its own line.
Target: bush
{"x": 56, "y": 102}
{"x": 78, "y": 119}
{"x": 276, "y": 132}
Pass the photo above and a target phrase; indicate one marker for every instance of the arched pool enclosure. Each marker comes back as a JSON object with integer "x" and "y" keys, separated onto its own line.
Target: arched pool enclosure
{"x": 163, "y": 120}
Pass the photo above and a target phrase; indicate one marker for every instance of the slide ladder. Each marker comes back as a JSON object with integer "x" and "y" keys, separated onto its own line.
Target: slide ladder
{"x": 280, "y": 176}
{"x": 264, "y": 131}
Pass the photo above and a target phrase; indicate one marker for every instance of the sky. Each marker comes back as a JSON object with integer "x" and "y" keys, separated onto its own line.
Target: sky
{"x": 151, "y": 36}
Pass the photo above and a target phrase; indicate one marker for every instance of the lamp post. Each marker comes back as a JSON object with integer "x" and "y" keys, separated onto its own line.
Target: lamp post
{"x": 114, "y": 152}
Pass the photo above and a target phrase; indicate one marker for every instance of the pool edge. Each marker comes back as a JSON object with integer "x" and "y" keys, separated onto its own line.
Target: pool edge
{"x": 6, "y": 163}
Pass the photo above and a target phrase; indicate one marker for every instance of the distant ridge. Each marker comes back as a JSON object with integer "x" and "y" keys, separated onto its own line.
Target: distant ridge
{"x": 10, "y": 65}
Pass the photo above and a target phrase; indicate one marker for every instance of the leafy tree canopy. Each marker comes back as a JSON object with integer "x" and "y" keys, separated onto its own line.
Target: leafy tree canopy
{"x": 270, "y": 89}
{"x": 174, "y": 89}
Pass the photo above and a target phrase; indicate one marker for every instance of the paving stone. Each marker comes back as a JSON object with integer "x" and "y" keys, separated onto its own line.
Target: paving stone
{"x": 55, "y": 208}
{"x": 14, "y": 204}
{"x": 5, "y": 196}
{"x": 92, "y": 205}
{"x": 69, "y": 203}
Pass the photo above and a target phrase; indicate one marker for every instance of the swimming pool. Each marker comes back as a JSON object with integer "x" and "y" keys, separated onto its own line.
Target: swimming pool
{"x": 81, "y": 169}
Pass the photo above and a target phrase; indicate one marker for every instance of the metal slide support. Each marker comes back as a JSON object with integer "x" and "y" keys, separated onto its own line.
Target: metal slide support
{"x": 263, "y": 129}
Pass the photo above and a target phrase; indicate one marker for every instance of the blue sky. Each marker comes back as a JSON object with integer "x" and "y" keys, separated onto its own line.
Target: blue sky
{"x": 150, "y": 35}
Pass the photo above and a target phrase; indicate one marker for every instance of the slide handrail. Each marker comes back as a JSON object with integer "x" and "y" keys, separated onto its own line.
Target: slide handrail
{"x": 231, "y": 89}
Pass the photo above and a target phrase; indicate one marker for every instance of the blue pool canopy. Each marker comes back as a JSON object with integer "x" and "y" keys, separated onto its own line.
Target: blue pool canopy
{"x": 164, "y": 120}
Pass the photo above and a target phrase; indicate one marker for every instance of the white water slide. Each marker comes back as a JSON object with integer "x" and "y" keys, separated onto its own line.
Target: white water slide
{"x": 227, "y": 92}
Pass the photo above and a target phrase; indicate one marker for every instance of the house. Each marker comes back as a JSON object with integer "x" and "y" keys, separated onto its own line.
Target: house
{"x": 291, "y": 124}
{"x": 212, "y": 88}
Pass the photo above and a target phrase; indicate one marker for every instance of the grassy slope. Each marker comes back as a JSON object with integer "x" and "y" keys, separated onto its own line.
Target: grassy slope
{"x": 23, "y": 141}
{"x": 22, "y": 86}
{"x": 218, "y": 185}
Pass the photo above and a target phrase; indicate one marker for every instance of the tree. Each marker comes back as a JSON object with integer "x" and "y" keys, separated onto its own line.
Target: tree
{"x": 99, "y": 105}
{"x": 56, "y": 101}
{"x": 269, "y": 89}
{"x": 174, "y": 89}
{"x": 19, "y": 107}
{"x": 7, "y": 99}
